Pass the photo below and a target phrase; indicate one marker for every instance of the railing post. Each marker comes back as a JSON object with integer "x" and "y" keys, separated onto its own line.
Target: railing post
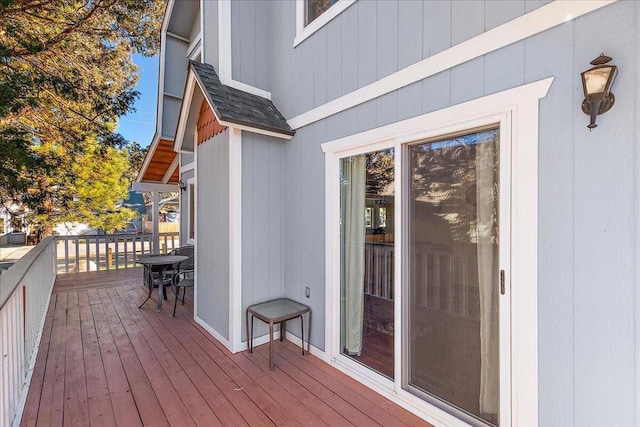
{"x": 77, "y": 243}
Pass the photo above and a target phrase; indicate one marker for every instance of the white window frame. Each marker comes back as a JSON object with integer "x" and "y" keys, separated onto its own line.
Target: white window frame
{"x": 303, "y": 32}
{"x": 191, "y": 240}
{"x": 517, "y": 112}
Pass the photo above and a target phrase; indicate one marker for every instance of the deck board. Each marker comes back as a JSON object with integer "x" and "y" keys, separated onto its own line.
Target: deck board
{"x": 102, "y": 362}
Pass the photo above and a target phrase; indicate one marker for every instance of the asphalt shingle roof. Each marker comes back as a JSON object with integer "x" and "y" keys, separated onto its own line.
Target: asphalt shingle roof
{"x": 236, "y": 106}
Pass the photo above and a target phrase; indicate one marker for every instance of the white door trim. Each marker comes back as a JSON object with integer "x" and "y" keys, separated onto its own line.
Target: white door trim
{"x": 517, "y": 112}
{"x": 235, "y": 240}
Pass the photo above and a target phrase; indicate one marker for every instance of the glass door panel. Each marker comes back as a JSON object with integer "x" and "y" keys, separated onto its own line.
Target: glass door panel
{"x": 367, "y": 256}
{"x": 452, "y": 296}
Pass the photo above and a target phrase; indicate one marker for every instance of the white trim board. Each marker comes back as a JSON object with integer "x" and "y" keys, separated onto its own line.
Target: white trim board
{"x": 177, "y": 37}
{"x": 196, "y": 43}
{"x": 517, "y": 112}
{"x": 154, "y": 186}
{"x": 212, "y": 332}
{"x": 172, "y": 167}
{"x": 187, "y": 167}
{"x": 235, "y": 240}
{"x": 532, "y": 23}
{"x": 185, "y": 109}
{"x": 191, "y": 241}
{"x": 248, "y": 88}
{"x": 195, "y": 225}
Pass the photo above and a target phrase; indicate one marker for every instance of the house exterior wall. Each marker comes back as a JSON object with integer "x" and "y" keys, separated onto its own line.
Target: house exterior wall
{"x": 371, "y": 40}
{"x": 175, "y": 75}
{"x": 195, "y": 28}
{"x": 589, "y": 184}
{"x": 212, "y": 227}
{"x": 262, "y": 226}
{"x": 251, "y": 46}
{"x": 210, "y": 36}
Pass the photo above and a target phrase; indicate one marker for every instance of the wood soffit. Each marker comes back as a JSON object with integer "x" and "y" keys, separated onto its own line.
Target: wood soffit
{"x": 161, "y": 160}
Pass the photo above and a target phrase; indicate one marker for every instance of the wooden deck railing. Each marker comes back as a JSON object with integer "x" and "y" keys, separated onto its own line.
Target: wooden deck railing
{"x": 107, "y": 251}
{"x": 25, "y": 290}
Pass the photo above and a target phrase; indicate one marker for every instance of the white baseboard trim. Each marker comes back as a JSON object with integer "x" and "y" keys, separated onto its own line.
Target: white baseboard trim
{"x": 312, "y": 349}
{"x": 213, "y": 332}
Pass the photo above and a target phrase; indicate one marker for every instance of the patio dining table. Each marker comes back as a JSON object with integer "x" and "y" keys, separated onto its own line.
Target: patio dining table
{"x": 157, "y": 264}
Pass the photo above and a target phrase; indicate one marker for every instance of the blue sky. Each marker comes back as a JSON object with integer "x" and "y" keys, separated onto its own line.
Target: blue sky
{"x": 141, "y": 125}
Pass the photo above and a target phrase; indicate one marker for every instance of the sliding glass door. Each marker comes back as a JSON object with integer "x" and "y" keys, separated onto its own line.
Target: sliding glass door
{"x": 367, "y": 259}
{"x": 450, "y": 344}
{"x": 452, "y": 336}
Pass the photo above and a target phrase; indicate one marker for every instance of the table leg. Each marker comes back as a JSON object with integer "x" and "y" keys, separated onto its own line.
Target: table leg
{"x": 160, "y": 293}
{"x": 147, "y": 281}
{"x": 246, "y": 325}
{"x": 283, "y": 330}
{"x": 251, "y": 342}
{"x": 271, "y": 364}
{"x": 302, "y": 333}
{"x": 309, "y": 332}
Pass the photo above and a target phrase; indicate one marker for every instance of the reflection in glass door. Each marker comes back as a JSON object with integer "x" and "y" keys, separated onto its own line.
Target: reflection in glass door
{"x": 452, "y": 340}
{"x": 367, "y": 259}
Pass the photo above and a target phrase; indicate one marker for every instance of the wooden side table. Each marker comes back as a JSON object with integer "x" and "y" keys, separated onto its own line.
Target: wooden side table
{"x": 278, "y": 311}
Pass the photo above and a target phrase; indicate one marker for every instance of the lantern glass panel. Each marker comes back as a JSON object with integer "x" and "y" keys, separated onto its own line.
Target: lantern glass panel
{"x": 596, "y": 79}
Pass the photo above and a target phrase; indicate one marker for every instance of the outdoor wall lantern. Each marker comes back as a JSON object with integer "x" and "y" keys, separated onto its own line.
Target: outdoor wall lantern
{"x": 182, "y": 186}
{"x": 596, "y": 84}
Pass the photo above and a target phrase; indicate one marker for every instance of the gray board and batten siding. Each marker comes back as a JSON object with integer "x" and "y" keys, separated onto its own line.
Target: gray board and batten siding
{"x": 251, "y": 46}
{"x": 185, "y": 25}
{"x": 262, "y": 222}
{"x": 212, "y": 253}
{"x": 210, "y": 34}
{"x": 588, "y": 182}
{"x": 175, "y": 75}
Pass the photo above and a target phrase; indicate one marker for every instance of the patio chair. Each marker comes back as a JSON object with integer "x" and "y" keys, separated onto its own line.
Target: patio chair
{"x": 184, "y": 251}
{"x": 182, "y": 279}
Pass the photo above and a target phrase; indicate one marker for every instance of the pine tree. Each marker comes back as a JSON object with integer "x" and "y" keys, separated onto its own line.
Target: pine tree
{"x": 66, "y": 75}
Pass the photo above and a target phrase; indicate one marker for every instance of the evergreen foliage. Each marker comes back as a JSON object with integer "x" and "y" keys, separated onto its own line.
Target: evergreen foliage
{"x": 66, "y": 75}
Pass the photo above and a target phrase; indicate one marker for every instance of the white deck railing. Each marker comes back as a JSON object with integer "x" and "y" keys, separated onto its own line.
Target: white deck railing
{"x": 108, "y": 251}
{"x": 25, "y": 291}
{"x": 448, "y": 278}
{"x": 378, "y": 270}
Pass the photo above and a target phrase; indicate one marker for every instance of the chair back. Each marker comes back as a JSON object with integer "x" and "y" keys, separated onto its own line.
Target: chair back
{"x": 184, "y": 251}
{"x": 187, "y": 264}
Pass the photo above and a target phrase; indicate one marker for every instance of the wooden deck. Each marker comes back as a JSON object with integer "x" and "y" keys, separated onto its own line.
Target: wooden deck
{"x": 103, "y": 361}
